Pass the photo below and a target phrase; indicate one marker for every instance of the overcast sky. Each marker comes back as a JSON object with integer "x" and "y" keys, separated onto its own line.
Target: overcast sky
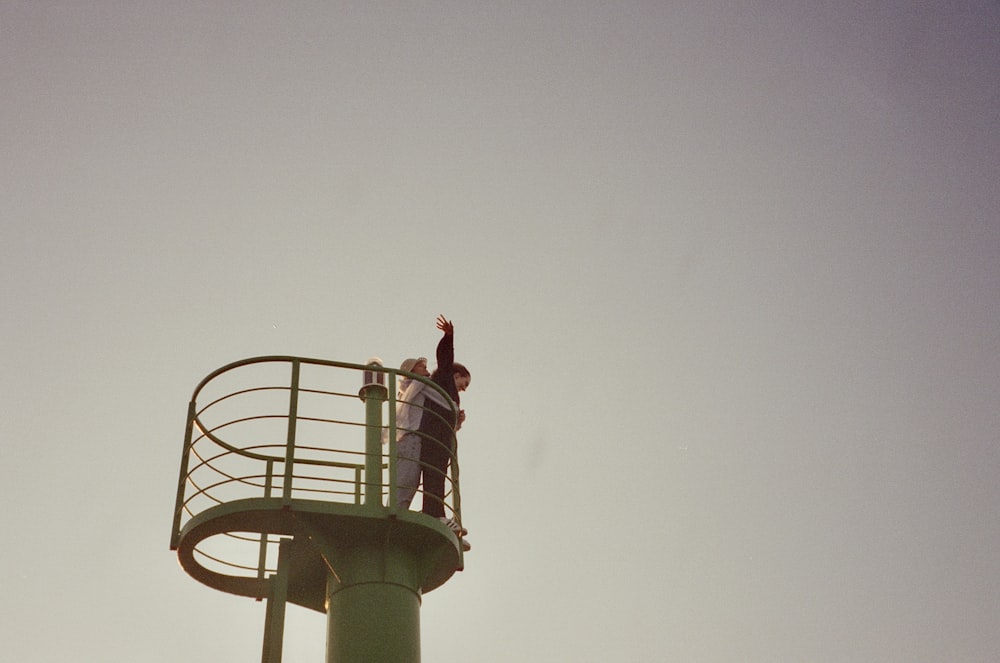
{"x": 726, "y": 275}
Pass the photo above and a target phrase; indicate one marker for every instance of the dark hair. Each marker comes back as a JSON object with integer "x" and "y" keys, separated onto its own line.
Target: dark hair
{"x": 461, "y": 370}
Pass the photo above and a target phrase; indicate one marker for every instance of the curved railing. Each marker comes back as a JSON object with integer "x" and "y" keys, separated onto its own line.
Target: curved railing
{"x": 290, "y": 430}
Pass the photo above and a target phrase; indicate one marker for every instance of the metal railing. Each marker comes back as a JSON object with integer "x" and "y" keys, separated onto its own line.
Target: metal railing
{"x": 289, "y": 429}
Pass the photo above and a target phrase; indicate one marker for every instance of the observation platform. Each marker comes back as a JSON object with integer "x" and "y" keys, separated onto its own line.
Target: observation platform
{"x": 285, "y": 486}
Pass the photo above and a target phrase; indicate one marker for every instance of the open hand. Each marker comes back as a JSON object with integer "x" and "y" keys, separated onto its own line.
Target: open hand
{"x": 445, "y": 325}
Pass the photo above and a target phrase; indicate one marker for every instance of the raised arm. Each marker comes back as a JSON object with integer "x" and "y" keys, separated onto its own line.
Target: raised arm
{"x": 446, "y": 347}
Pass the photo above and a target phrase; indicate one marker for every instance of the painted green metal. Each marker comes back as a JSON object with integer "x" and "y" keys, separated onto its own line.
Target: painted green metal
{"x": 262, "y": 551}
{"x": 175, "y": 530}
{"x": 391, "y": 433}
{"x": 375, "y": 621}
{"x": 277, "y": 598}
{"x": 373, "y": 594}
{"x": 293, "y": 408}
{"x": 363, "y": 562}
{"x": 314, "y": 528}
{"x": 374, "y": 395}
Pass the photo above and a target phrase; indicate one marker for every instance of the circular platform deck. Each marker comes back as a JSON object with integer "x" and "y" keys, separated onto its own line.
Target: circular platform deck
{"x": 407, "y": 548}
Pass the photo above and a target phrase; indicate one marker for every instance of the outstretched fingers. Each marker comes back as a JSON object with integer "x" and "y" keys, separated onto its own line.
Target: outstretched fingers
{"x": 445, "y": 325}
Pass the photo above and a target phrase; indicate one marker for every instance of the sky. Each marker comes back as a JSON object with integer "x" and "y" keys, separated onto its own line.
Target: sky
{"x": 726, "y": 276}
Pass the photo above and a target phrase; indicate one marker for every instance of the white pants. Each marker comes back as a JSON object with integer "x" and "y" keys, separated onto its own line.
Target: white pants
{"x": 407, "y": 469}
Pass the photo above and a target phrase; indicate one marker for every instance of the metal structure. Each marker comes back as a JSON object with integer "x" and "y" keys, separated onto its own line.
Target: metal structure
{"x": 285, "y": 495}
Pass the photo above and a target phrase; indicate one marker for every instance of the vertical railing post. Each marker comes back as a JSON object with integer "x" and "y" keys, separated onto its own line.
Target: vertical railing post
{"x": 393, "y": 486}
{"x": 456, "y": 493}
{"x": 293, "y": 408}
{"x": 373, "y": 394}
{"x": 182, "y": 479}
{"x": 262, "y": 551}
{"x": 277, "y": 598}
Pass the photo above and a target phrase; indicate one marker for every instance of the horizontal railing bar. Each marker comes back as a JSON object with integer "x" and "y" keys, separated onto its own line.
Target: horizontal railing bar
{"x": 225, "y": 563}
{"x": 240, "y": 392}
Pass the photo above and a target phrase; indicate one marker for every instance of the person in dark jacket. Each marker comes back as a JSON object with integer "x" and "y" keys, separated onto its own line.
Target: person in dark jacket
{"x": 439, "y": 424}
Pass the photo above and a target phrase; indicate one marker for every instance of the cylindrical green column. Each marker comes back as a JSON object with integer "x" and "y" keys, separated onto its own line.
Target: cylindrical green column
{"x": 372, "y": 621}
{"x": 373, "y": 596}
{"x": 373, "y": 393}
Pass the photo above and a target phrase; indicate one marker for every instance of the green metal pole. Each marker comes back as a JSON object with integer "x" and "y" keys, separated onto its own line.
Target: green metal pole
{"x": 393, "y": 487}
{"x": 293, "y": 410}
{"x": 373, "y": 393}
{"x": 274, "y": 620}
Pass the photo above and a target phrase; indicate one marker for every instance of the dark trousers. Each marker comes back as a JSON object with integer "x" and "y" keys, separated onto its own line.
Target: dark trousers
{"x": 434, "y": 458}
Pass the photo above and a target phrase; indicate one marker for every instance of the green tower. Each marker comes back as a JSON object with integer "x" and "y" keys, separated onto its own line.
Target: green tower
{"x": 286, "y": 494}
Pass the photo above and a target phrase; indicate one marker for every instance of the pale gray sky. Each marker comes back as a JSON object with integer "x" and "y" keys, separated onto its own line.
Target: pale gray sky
{"x": 727, "y": 276}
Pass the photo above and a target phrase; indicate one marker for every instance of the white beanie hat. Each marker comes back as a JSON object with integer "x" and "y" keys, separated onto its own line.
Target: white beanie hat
{"x": 408, "y": 364}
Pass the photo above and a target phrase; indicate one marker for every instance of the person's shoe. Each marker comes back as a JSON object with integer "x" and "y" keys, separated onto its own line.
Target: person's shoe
{"x": 466, "y": 546}
{"x": 454, "y": 526}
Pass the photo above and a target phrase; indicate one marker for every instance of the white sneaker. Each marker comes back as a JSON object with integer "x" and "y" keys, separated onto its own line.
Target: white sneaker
{"x": 454, "y": 526}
